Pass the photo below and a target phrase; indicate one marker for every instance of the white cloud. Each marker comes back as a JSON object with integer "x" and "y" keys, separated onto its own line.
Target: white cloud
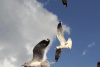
{"x": 44, "y": 2}
{"x": 6, "y": 64}
{"x": 13, "y": 59}
{"x": 1, "y": 48}
{"x": 47, "y": 1}
{"x": 52, "y": 63}
{"x": 24, "y": 23}
{"x": 84, "y": 52}
{"x": 90, "y": 45}
{"x": 66, "y": 29}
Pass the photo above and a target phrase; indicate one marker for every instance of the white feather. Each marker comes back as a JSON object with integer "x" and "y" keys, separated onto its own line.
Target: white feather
{"x": 69, "y": 45}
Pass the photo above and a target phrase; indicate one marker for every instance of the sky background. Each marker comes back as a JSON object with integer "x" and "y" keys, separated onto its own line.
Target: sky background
{"x": 24, "y": 23}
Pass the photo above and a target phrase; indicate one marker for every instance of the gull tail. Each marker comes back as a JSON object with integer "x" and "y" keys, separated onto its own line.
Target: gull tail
{"x": 69, "y": 43}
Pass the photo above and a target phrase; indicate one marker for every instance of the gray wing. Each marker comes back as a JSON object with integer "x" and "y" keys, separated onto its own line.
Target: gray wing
{"x": 60, "y": 33}
{"x": 58, "y": 53}
{"x": 64, "y": 2}
{"x": 38, "y": 51}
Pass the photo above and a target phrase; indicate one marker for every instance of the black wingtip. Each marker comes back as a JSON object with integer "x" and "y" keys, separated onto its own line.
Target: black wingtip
{"x": 59, "y": 24}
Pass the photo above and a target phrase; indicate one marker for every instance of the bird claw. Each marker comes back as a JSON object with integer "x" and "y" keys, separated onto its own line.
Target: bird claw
{"x": 68, "y": 50}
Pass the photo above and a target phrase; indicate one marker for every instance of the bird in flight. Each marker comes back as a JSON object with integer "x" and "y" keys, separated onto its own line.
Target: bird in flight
{"x": 63, "y": 42}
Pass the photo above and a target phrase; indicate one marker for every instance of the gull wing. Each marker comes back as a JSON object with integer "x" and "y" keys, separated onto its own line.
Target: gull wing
{"x": 64, "y": 2}
{"x": 60, "y": 33}
{"x": 57, "y": 54}
{"x": 38, "y": 51}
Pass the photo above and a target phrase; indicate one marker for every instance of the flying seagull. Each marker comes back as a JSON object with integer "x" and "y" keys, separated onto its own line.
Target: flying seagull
{"x": 63, "y": 42}
{"x": 38, "y": 53}
{"x": 64, "y": 2}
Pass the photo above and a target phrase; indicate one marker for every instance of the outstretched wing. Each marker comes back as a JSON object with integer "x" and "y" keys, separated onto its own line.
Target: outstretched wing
{"x": 60, "y": 33}
{"x": 38, "y": 51}
{"x": 64, "y": 2}
{"x": 58, "y": 53}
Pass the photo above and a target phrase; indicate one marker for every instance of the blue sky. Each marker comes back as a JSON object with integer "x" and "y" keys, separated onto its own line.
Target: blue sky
{"x": 83, "y": 17}
{"x": 24, "y": 23}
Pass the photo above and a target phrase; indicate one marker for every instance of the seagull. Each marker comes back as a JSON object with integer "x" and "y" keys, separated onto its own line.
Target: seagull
{"x": 38, "y": 53}
{"x": 63, "y": 42}
{"x": 64, "y": 2}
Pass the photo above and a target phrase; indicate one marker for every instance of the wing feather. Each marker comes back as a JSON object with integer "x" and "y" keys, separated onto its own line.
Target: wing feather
{"x": 38, "y": 51}
{"x": 64, "y": 2}
{"x": 57, "y": 54}
{"x": 60, "y": 33}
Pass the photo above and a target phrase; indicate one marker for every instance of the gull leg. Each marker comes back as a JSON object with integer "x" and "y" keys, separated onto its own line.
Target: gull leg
{"x": 68, "y": 50}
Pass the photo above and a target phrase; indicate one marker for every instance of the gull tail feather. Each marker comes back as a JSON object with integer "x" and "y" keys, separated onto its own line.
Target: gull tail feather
{"x": 69, "y": 43}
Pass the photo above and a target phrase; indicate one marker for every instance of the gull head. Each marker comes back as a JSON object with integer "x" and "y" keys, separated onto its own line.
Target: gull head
{"x": 57, "y": 47}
